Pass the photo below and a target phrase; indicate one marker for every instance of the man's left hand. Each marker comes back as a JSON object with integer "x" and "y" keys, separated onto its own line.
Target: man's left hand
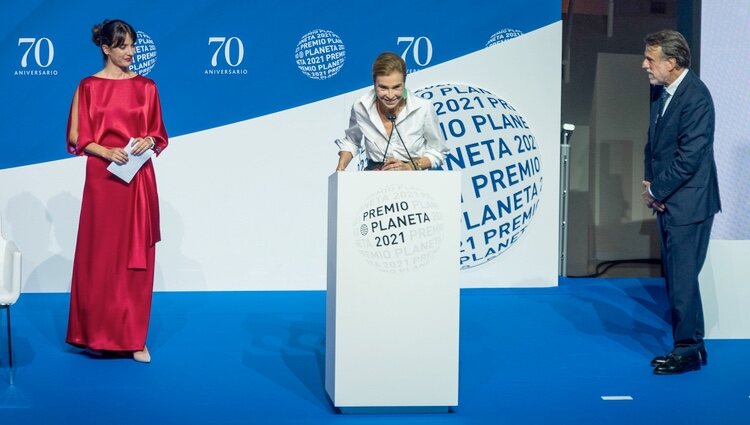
{"x": 650, "y": 201}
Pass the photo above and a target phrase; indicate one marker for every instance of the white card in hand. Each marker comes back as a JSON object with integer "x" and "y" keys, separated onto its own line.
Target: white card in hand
{"x": 127, "y": 170}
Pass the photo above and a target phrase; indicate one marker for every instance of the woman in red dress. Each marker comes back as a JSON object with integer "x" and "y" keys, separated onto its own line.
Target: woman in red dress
{"x": 113, "y": 269}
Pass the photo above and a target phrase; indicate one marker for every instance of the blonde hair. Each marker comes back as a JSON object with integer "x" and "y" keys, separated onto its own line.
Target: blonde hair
{"x": 386, "y": 64}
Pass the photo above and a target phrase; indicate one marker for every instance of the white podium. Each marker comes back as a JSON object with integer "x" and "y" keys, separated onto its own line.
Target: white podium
{"x": 392, "y": 306}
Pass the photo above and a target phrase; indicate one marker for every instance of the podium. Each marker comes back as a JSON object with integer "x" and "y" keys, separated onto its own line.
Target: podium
{"x": 392, "y": 305}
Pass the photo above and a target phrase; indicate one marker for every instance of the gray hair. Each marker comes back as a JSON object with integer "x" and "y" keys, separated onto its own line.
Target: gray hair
{"x": 673, "y": 45}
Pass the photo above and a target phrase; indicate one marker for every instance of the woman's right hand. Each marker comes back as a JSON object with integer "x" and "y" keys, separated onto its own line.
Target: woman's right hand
{"x": 116, "y": 155}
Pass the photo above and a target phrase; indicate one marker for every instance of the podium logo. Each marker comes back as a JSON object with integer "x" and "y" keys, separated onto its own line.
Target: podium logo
{"x": 145, "y": 54}
{"x": 36, "y": 57}
{"x": 502, "y": 36}
{"x": 494, "y": 146}
{"x": 320, "y": 54}
{"x": 398, "y": 229}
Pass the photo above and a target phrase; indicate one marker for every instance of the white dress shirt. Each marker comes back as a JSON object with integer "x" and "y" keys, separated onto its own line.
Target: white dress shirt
{"x": 417, "y": 124}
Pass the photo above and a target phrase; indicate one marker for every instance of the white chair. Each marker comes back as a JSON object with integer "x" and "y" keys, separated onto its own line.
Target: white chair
{"x": 10, "y": 285}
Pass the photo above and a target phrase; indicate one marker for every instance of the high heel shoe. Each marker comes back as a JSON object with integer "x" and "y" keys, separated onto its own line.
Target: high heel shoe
{"x": 142, "y": 356}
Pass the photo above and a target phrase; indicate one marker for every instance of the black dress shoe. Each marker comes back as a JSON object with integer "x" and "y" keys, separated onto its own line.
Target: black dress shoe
{"x": 678, "y": 364}
{"x": 656, "y": 361}
{"x": 702, "y": 353}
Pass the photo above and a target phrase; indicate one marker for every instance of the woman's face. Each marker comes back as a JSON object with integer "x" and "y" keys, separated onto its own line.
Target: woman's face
{"x": 121, "y": 56}
{"x": 389, "y": 89}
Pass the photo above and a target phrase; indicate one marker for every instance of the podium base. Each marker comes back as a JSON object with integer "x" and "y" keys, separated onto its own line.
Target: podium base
{"x": 390, "y": 410}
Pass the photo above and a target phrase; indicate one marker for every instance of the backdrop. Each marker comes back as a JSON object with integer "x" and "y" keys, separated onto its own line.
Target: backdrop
{"x": 725, "y": 37}
{"x": 254, "y": 96}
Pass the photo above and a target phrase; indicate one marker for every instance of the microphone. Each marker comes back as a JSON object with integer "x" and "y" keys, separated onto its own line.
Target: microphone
{"x": 392, "y": 118}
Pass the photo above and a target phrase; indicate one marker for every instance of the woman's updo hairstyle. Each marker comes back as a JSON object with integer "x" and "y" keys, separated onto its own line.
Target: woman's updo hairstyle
{"x": 112, "y": 33}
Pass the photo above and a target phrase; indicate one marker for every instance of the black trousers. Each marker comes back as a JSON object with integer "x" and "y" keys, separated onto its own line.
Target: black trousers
{"x": 683, "y": 252}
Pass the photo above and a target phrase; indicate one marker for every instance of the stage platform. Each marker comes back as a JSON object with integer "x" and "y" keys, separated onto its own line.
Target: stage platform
{"x": 575, "y": 354}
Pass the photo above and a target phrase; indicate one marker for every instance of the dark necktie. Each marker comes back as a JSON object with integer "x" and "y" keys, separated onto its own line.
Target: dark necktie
{"x": 662, "y": 101}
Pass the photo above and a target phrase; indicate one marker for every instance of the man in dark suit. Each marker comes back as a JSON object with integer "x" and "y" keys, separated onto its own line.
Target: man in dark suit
{"x": 681, "y": 188}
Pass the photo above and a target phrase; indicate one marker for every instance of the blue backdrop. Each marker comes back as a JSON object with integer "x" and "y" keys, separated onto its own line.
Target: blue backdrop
{"x": 222, "y": 62}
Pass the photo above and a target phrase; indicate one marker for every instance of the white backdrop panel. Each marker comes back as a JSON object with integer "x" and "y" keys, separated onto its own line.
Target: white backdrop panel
{"x": 725, "y": 68}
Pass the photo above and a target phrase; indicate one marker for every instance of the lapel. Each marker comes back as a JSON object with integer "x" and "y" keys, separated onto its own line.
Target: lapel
{"x": 372, "y": 113}
{"x": 674, "y": 104}
{"x": 653, "y": 111}
{"x": 369, "y": 102}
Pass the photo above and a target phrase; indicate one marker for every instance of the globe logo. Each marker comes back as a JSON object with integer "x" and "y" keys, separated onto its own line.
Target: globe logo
{"x": 399, "y": 229}
{"x": 503, "y": 35}
{"x": 493, "y": 144}
{"x": 320, "y": 54}
{"x": 144, "y": 59}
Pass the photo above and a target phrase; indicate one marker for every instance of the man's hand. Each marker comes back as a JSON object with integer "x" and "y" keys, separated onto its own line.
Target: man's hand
{"x": 649, "y": 200}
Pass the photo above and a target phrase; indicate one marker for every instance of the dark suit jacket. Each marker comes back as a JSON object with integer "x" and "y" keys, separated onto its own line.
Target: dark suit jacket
{"x": 679, "y": 155}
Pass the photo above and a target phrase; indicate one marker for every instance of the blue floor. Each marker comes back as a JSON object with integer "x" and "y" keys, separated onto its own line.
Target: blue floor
{"x": 528, "y": 356}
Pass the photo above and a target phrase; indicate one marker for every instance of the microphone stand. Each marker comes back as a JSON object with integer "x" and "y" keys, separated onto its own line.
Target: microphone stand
{"x": 392, "y": 118}
{"x": 388, "y": 143}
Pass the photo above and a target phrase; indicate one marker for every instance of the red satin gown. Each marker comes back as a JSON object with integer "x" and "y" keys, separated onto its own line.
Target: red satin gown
{"x": 113, "y": 269}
